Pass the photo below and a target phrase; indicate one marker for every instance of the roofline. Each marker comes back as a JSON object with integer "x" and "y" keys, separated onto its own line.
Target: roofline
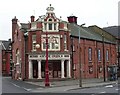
{"x": 103, "y": 30}
{"x": 3, "y": 46}
{"x": 91, "y": 39}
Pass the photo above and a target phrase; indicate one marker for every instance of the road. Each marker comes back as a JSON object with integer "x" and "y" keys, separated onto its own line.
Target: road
{"x": 13, "y": 86}
{"x": 98, "y": 90}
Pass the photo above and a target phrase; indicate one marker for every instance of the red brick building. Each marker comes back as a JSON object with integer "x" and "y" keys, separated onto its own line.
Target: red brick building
{"x": 29, "y": 48}
{"x": 6, "y": 57}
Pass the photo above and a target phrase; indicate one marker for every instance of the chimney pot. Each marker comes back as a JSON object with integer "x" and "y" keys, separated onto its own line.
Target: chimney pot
{"x": 32, "y": 18}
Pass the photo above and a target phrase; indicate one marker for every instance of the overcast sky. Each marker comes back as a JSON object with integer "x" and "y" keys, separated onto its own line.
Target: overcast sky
{"x": 102, "y": 13}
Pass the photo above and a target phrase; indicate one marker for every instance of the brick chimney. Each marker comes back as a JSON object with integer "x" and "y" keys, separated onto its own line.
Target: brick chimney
{"x": 14, "y": 26}
{"x": 72, "y": 19}
{"x": 32, "y": 18}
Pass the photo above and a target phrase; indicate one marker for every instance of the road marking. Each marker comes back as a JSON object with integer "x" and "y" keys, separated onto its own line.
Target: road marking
{"x": 16, "y": 85}
{"x": 103, "y": 92}
{"x": 117, "y": 89}
{"x": 21, "y": 87}
{"x": 109, "y": 86}
{"x": 26, "y": 89}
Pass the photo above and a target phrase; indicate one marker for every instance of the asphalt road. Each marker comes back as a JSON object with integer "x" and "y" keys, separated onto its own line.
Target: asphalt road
{"x": 113, "y": 89}
{"x": 14, "y": 86}
{"x": 21, "y": 87}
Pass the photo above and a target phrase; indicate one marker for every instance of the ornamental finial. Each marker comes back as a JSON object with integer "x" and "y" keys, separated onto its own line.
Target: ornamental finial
{"x": 50, "y": 9}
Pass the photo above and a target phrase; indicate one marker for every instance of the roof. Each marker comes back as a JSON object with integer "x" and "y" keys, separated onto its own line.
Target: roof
{"x": 5, "y": 44}
{"x": 24, "y": 26}
{"x": 112, "y": 30}
{"x": 87, "y": 33}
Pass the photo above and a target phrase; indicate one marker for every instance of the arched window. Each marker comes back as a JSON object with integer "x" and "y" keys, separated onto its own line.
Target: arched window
{"x": 90, "y": 54}
{"x": 99, "y": 55}
{"x": 17, "y": 56}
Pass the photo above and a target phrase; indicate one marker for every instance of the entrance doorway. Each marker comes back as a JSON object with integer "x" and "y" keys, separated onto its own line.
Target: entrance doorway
{"x": 54, "y": 68}
{"x": 35, "y": 69}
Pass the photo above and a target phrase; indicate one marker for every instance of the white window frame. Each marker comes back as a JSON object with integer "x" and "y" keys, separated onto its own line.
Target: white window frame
{"x": 34, "y": 43}
{"x": 50, "y": 42}
{"x": 46, "y": 28}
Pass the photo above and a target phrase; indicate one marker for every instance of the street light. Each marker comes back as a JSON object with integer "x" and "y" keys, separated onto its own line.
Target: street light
{"x": 47, "y": 84}
{"x": 79, "y": 49}
{"x": 46, "y": 65}
{"x": 103, "y": 57}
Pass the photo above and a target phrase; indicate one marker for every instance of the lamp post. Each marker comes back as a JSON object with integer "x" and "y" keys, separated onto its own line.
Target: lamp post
{"x": 47, "y": 84}
{"x": 103, "y": 57}
{"x": 79, "y": 49}
{"x": 46, "y": 65}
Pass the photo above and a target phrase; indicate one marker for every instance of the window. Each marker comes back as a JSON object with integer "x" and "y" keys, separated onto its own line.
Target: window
{"x": 90, "y": 54}
{"x": 53, "y": 42}
{"x": 54, "y": 26}
{"x": 50, "y": 19}
{"x": 99, "y": 55}
{"x": 50, "y": 26}
{"x": 34, "y": 42}
{"x": 107, "y": 55}
{"x": 65, "y": 42}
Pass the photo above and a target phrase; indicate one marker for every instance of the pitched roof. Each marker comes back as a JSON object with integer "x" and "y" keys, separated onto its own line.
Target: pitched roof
{"x": 5, "y": 44}
{"x": 88, "y": 33}
{"x": 24, "y": 27}
{"x": 114, "y": 30}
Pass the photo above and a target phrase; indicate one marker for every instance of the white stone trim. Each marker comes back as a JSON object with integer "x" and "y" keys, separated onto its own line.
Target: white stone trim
{"x": 62, "y": 69}
{"x": 68, "y": 69}
{"x": 39, "y": 69}
{"x": 30, "y": 70}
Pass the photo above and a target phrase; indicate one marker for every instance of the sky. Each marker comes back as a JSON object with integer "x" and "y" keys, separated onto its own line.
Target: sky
{"x": 102, "y": 13}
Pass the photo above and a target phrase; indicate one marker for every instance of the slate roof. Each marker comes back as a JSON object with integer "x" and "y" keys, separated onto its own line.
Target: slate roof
{"x": 5, "y": 44}
{"x": 87, "y": 33}
{"x": 24, "y": 27}
{"x": 114, "y": 30}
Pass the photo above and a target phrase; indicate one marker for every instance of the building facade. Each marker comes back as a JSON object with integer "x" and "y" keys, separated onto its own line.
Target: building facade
{"x": 6, "y": 57}
{"x": 29, "y": 48}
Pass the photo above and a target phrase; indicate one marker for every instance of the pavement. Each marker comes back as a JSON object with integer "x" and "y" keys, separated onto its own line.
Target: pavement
{"x": 69, "y": 84}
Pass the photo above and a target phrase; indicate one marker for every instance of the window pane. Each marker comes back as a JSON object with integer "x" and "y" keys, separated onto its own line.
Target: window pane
{"x": 90, "y": 54}
{"x": 99, "y": 55}
{"x": 44, "y": 45}
{"x": 33, "y": 42}
{"x": 53, "y": 45}
{"x": 50, "y": 19}
{"x": 54, "y": 26}
{"x": 107, "y": 55}
{"x": 50, "y": 26}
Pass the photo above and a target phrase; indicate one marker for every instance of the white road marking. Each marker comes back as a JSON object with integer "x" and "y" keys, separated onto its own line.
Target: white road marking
{"x": 117, "y": 89}
{"x": 26, "y": 89}
{"x": 103, "y": 92}
{"x": 16, "y": 85}
{"x": 21, "y": 87}
{"x": 109, "y": 86}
